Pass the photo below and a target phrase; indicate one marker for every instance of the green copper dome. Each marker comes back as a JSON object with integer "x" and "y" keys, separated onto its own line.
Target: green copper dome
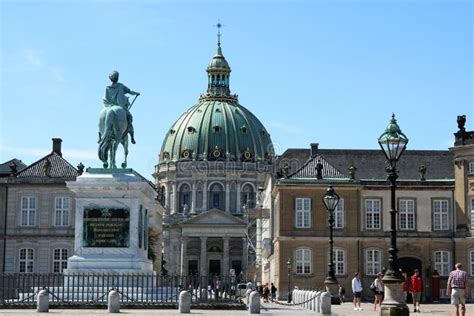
{"x": 218, "y": 127}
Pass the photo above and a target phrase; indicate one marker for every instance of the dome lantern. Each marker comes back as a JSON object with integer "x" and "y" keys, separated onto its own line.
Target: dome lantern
{"x": 218, "y": 71}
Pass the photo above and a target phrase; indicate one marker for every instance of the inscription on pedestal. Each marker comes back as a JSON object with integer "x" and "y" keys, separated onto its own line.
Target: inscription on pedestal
{"x": 106, "y": 227}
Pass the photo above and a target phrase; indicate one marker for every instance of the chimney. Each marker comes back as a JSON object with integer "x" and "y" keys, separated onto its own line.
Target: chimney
{"x": 57, "y": 146}
{"x": 314, "y": 149}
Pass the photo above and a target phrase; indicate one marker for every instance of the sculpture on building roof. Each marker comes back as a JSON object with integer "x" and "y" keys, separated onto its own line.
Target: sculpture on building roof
{"x": 115, "y": 122}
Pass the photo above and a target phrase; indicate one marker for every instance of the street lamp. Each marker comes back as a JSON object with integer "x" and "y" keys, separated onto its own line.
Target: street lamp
{"x": 288, "y": 264}
{"x": 331, "y": 199}
{"x": 393, "y": 143}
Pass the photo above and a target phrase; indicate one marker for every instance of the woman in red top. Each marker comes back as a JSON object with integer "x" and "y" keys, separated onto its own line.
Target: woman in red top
{"x": 416, "y": 289}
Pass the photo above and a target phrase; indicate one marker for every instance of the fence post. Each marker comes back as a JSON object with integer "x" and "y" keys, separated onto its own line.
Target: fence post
{"x": 184, "y": 302}
{"x": 254, "y": 306}
{"x": 114, "y": 301}
{"x": 42, "y": 301}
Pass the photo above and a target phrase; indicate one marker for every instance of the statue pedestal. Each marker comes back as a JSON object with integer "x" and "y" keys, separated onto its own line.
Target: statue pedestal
{"x": 111, "y": 222}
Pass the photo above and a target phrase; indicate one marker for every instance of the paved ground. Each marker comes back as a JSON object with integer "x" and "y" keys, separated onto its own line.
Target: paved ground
{"x": 268, "y": 309}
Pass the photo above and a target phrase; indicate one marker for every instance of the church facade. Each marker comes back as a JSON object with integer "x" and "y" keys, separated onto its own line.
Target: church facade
{"x": 212, "y": 162}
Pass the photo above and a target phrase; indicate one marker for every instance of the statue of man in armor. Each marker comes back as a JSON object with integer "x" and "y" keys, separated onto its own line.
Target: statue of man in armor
{"x": 115, "y": 94}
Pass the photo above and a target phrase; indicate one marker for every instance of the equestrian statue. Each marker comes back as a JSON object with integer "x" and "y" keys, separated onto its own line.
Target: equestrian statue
{"x": 115, "y": 122}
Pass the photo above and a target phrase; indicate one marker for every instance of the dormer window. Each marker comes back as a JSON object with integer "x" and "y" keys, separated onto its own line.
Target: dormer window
{"x": 243, "y": 129}
{"x": 218, "y": 110}
{"x": 191, "y": 129}
{"x": 172, "y": 131}
{"x": 262, "y": 132}
{"x": 217, "y": 129}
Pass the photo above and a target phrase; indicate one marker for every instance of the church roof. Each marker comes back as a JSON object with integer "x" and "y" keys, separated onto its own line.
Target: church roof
{"x": 217, "y": 127}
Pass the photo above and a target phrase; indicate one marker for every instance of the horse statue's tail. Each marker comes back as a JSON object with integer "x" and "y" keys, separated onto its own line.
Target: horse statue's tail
{"x": 105, "y": 141}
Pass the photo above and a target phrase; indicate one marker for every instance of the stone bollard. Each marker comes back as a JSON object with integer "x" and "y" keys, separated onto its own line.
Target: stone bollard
{"x": 317, "y": 302}
{"x": 114, "y": 301}
{"x": 326, "y": 303}
{"x": 42, "y": 304}
{"x": 184, "y": 302}
{"x": 204, "y": 294}
{"x": 254, "y": 306}
{"x": 247, "y": 296}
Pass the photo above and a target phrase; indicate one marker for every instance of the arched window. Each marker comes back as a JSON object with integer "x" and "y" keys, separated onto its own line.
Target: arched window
{"x": 184, "y": 198}
{"x": 373, "y": 261}
{"x": 247, "y": 196}
{"x": 216, "y": 197}
{"x": 303, "y": 261}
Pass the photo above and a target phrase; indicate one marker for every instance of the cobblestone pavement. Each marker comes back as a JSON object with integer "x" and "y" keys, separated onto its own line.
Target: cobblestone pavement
{"x": 267, "y": 309}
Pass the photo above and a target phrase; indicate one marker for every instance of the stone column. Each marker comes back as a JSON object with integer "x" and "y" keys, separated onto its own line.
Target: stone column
{"x": 239, "y": 208}
{"x": 245, "y": 254}
{"x": 227, "y": 197}
{"x": 193, "y": 198}
{"x": 174, "y": 203}
{"x": 204, "y": 197}
{"x": 184, "y": 248}
{"x": 167, "y": 196}
{"x": 203, "y": 259}
{"x": 226, "y": 255}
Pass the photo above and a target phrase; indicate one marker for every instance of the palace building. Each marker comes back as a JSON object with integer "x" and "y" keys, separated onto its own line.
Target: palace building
{"x": 212, "y": 162}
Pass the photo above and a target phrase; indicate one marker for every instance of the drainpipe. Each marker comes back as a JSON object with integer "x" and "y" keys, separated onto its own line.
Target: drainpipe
{"x": 5, "y": 229}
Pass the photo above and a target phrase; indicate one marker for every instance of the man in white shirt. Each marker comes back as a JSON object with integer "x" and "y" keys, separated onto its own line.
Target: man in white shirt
{"x": 357, "y": 290}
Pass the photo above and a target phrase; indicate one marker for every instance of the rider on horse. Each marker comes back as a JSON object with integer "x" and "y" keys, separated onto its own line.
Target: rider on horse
{"x": 115, "y": 95}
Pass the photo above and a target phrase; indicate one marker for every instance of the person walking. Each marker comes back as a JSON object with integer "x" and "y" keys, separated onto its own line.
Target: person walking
{"x": 416, "y": 289}
{"x": 458, "y": 288}
{"x": 357, "y": 291}
{"x": 378, "y": 284}
{"x": 273, "y": 291}
{"x": 342, "y": 293}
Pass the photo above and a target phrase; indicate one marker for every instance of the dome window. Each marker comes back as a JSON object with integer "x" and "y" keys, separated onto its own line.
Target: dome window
{"x": 247, "y": 155}
{"x": 191, "y": 129}
{"x": 218, "y": 110}
{"x": 243, "y": 129}
{"x": 186, "y": 154}
{"x": 166, "y": 155}
{"x": 172, "y": 131}
{"x": 262, "y": 132}
{"x": 217, "y": 129}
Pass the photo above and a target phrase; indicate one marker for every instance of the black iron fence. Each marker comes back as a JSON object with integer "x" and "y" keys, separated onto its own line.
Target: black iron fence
{"x": 21, "y": 289}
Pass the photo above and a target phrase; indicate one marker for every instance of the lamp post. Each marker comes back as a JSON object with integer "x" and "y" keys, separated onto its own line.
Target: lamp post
{"x": 288, "y": 264}
{"x": 331, "y": 199}
{"x": 393, "y": 143}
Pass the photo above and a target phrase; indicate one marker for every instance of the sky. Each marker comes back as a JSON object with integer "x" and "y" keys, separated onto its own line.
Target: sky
{"x": 330, "y": 72}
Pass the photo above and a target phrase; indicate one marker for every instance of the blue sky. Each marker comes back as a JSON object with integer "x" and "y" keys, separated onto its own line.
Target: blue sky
{"x": 312, "y": 71}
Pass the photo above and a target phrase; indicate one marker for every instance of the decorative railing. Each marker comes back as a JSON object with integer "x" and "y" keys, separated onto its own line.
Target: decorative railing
{"x": 18, "y": 289}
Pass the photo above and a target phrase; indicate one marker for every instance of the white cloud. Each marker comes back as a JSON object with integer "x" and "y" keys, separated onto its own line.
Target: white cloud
{"x": 32, "y": 57}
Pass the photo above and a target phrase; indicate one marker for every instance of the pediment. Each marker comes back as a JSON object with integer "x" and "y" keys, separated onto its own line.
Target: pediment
{"x": 214, "y": 217}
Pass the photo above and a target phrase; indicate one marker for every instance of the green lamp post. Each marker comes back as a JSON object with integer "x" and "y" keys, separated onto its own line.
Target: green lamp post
{"x": 331, "y": 200}
{"x": 288, "y": 265}
{"x": 393, "y": 143}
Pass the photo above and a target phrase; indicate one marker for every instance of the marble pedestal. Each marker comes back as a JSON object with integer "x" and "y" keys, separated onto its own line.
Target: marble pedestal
{"x": 111, "y": 233}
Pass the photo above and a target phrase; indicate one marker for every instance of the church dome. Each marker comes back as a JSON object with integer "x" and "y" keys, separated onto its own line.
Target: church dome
{"x": 217, "y": 127}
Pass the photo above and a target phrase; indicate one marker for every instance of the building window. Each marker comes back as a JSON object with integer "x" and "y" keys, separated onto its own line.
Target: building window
{"x": 406, "y": 215}
{"x": 28, "y": 211}
{"x": 339, "y": 215}
{"x": 471, "y": 260}
{"x": 184, "y": 198}
{"x": 26, "y": 259}
{"x": 59, "y": 260}
{"x": 442, "y": 262}
{"x": 61, "y": 211}
{"x": 303, "y": 261}
{"x": 373, "y": 212}
{"x": 303, "y": 212}
{"x": 339, "y": 261}
{"x": 247, "y": 196}
{"x": 373, "y": 261}
{"x": 216, "y": 196}
{"x": 440, "y": 215}
{"x": 471, "y": 168}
